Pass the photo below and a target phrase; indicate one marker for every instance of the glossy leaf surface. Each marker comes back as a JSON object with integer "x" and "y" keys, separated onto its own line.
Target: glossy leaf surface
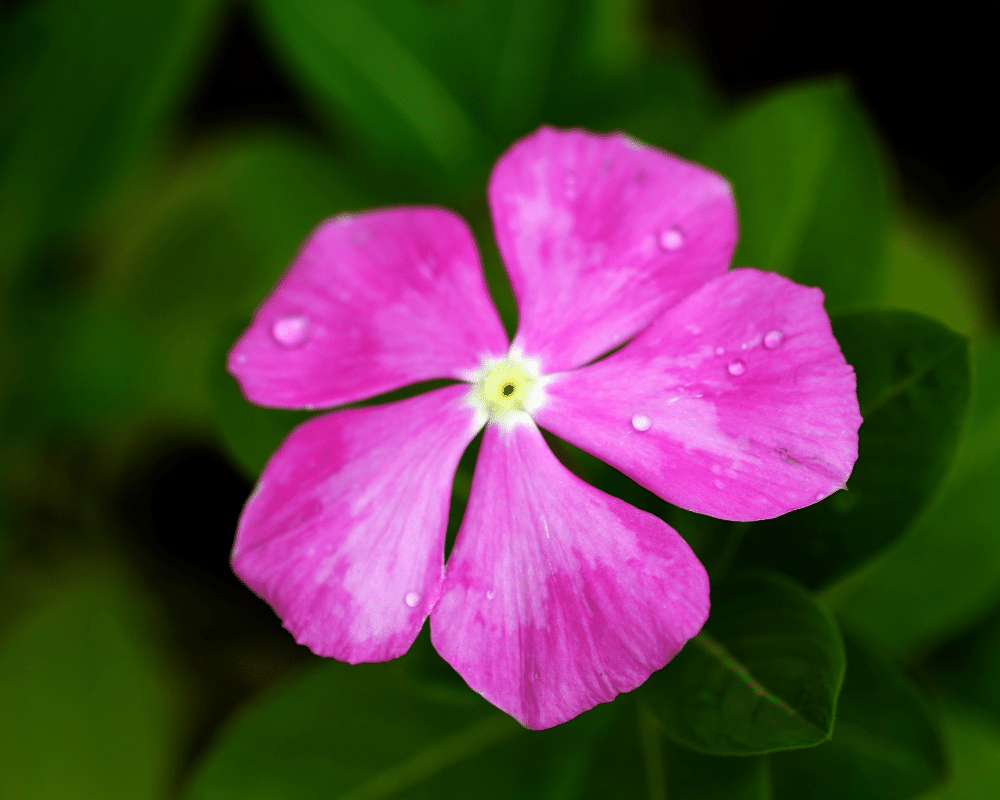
{"x": 885, "y": 744}
{"x": 762, "y": 676}
{"x": 945, "y": 571}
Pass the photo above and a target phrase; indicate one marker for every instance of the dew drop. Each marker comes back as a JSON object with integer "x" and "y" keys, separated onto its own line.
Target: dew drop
{"x": 412, "y": 599}
{"x": 641, "y": 422}
{"x": 489, "y": 595}
{"x": 773, "y": 340}
{"x": 720, "y": 351}
{"x": 737, "y": 367}
{"x": 671, "y": 239}
{"x": 291, "y": 330}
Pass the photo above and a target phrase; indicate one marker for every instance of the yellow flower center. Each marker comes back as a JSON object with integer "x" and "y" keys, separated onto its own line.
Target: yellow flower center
{"x": 507, "y": 390}
{"x": 506, "y": 387}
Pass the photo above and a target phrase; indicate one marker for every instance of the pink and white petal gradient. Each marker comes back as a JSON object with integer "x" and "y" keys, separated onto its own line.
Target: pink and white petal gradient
{"x": 372, "y": 302}
{"x": 600, "y": 235}
{"x": 736, "y": 403}
{"x": 557, "y": 596}
{"x": 344, "y": 534}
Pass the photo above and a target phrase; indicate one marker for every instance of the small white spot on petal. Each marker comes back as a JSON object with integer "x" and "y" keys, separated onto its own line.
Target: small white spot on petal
{"x": 641, "y": 422}
{"x": 291, "y": 330}
{"x": 489, "y": 594}
{"x": 773, "y": 340}
{"x": 671, "y": 239}
{"x": 412, "y": 599}
{"x": 737, "y": 367}
{"x": 820, "y": 496}
{"x": 720, "y": 351}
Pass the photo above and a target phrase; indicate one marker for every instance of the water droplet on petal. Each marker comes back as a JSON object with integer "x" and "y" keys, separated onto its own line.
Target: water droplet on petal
{"x": 291, "y": 330}
{"x": 489, "y": 595}
{"x": 412, "y": 599}
{"x": 641, "y": 422}
{"x": 569, "y": 185}
{"x": 773, "y": 340}
{"x": 671, "y": 239}
{"x": 737, "y": 367}
{"x": 720, "y": 351}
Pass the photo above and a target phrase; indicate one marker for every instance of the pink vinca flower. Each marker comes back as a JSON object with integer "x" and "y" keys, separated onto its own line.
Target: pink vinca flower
{"x": 731, "y": 399}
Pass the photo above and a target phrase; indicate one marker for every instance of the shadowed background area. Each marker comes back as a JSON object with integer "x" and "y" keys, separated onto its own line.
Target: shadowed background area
{"x": 161, "y": 162}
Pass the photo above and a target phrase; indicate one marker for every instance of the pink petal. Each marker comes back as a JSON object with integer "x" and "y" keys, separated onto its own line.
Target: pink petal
{"x": 600, "y": 235}
{"x": 344, "y": 534}
{"x": 736, "y": 403}
{"x": 558, "y": 596}
{"x": 372, "y": 302}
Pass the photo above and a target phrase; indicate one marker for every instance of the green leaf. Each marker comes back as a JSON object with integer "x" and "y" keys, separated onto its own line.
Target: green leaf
{"x": 931, "y": 271}
{"x": 86, "y": 86}
{"x": 885, "y": 745}
{"x": 811, "y": 188}
{"x": 945, "y": 571}
{"x": 913, "y": 387}
{"x": 667, "y": 103}
{"x": 974, "y": 750}
{"x": 204, "y": 242}
{"x": 85, "y": 367}
{"x": 367, "y": 61}
{"x": 635, "y": 760}
{"x": 84, "y": 708}
{"x": 762, "y": 676}
{"x": 372, "y": 731}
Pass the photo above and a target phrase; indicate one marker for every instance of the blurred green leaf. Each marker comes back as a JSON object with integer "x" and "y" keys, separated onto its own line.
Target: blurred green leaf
{"x": 913, "y": 387}
{"x": 205, "y": 242}
{"x": 811, "y": 188}
{"x": 367, "y": 62}
{"x": 635, "y": 760}
{"x": 666, "y": 102}
{"x": 83, "y": 705}
{"x": 371, "y": 731}
{"x": 763, "y": 675}
{"x": 86, "y": 85}
{"x": 885, "y": 745}
{"x": 946, "y": 570}
{"x": 932, "y": 272}
{"x": 974, "y": 750}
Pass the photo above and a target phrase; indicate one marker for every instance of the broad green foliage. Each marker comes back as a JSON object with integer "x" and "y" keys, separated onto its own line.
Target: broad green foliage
{"x": 931, "y": 271}
{"x": 84, "y": 708}
{"x": 191, "y": 255}
{"x": 439, "y": 89}
{"x": 913, "y": 387}
{"x": 974, "y": 750}
{"x": 763, "y": 675}
{"x": 135, "y": 246}
{"x": 811, "y": 189}
{"x": 372, "y": 731}
{"x": 946, "y": 570}
{"x": 885, "y": 745}
{"x": 85, "y": 86}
